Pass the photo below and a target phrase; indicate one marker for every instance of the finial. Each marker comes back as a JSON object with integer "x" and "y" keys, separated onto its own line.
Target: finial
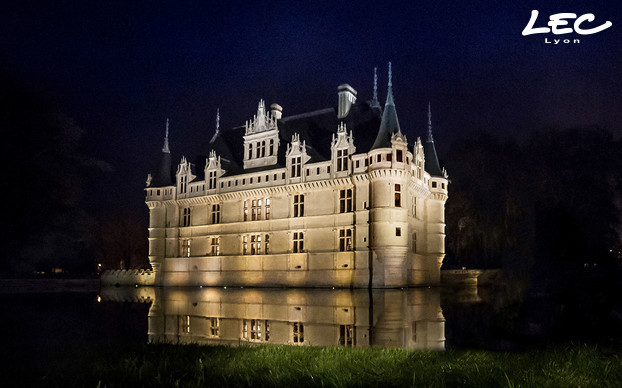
{"x": 217, "y": 120}
{"x": 165, "y": 148}
{"x": 390, "y": 89}
{"x": 375, "y": 98}
{"x": 430, "y": 139}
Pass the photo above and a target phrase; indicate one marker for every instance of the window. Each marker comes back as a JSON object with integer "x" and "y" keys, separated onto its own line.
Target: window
{"x": 258, "y": 150}
{"x": 185, "y": 324}
{"x": 398, "y": 156}
{"x": 158, "y": 192}
{"x": 256, "y": 210}
{"x": 433, "y": 185}
{"x": 345, "y": 200}
{"x": 398, "y": 196}
{"x": 358, "y": 163}
{"x": 346, "y": 335}
{"x": 308, "y": 171}
{"x": 345, "y": 240}
{"x": 298, "y": 242}
{"x": 318, "y": 171}
{"x": 263, "y": 148}
{"x": 283, "y": 175}
{"x": 245, "y": 245}
{"x": 215, "y": 246}
{"x": 255, "y": 244}
{"x": 398, "y": 231}
{"x": 414, "y": 331}
{"x": 299, "y": 205}
{"x": 443, "y": 186}
{"x": 271, "y": 147}
{"x": 216, "y": 214}
{"x": 250, "y": 150}
{"x": 389, "y": 157}
{"x": 183, "y": 183}
{"x": 214, "y": 327}
{"x": 212, "y": 180}
{"x": 266, "y": 244}
{"x": 414, "y": 207}
{"x": 342, "y": 160}
{"x": 299, "y": 332}
{"x": 185, "y": 221}
{"x": 185, "y": 248}
{"x": 256, "y": 330}
{"x": 295, "y": 172}
{"x": 378, "y": 158}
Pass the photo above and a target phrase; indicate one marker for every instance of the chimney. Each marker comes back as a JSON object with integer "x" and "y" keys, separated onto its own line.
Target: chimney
{"x": 277, "y": 111}
{"x": 347, "y": 97}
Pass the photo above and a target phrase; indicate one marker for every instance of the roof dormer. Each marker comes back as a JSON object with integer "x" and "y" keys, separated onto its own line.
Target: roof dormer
{"x": 261, "y": 139}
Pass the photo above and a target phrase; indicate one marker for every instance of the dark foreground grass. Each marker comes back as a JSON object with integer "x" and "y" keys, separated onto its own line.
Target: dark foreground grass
{"x": 289, "y": 366}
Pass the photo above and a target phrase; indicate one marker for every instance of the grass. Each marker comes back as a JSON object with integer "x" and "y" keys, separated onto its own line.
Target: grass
{"x": 289, "y": 366}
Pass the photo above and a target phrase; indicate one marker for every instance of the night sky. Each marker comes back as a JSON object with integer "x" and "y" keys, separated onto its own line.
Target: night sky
{"x": 120, "y": 68}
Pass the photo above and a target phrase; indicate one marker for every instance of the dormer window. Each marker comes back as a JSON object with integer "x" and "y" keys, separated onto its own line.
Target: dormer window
{"x": 212, "y": 180}
{"x": 271, "y": 147}
{"x": 398, "y": 156}
{"x": 296, "y": 163}
{"x": 342, "y": 160}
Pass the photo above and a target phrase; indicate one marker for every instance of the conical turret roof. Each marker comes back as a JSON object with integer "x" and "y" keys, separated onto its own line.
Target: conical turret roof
{"x": 164, "y": 173}
{"x": 389, "y": 123}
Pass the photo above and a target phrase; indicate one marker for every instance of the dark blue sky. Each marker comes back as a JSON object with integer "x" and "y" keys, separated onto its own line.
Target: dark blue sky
{"x": 120, "y": 68}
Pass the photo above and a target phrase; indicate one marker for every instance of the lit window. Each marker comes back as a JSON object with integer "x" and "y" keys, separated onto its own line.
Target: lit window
{"x": 245, "y": 245}
{"x": 345, "y": 240}
{"x": 256, "y": 210}
{"x": 298, "y": 332}
{"x": 267, "y": 208}
{"x": 185, "y": 248}
{"x": 298, "y": 242}
{"x": 214, "y": 327}
{"x": 295, "y": 169}
{"x": 346, "y": 335}
{"x": 185, "y": 324}
{"x": 342, "y": 160}
{"x": 414, "y": 207}
{"x": 256, "y": 330}
{"x": 185, "y": 221}
{"x": 216, "y": 214}
{"x": 245, "y": 210}
{"x": 255, "y": 244}
{"x": 299, "y": 205}
{"x": 345, "y": 200}
{"x": 398, "y": 196}
{"x": 215, "y": 246}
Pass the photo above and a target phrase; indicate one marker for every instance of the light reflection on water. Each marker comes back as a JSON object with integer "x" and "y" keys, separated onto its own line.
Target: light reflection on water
{"x": 410, "y": 318}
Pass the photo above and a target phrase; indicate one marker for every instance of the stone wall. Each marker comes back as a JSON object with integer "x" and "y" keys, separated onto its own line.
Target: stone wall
{"x": 128, "y": 277}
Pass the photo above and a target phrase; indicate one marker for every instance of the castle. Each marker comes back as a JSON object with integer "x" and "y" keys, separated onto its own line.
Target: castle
{"x": 330, "y": 198}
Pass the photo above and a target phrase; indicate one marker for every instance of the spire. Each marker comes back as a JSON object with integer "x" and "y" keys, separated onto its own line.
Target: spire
{"x": 164, "y": 174}
{"x": 430, "y": 139}
{"x": 390, "y": 89}
{"x": 374, "y": 100}
{"x": 389, "y": 123}
{"x": 217, "y": 120}
{"x": 165, "y": 148}
{"x": 429, "y": 150}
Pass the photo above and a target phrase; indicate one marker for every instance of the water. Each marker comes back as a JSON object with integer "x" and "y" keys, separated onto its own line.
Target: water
{"x": 38, "y": 327}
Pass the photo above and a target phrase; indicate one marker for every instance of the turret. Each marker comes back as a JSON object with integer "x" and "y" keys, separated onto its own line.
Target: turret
{"x": 164, "y": 173}
{"x": 389, "y": 176}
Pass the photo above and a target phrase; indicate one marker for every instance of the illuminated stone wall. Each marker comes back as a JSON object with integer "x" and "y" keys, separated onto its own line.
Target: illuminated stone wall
{"x": 201, "y": 231}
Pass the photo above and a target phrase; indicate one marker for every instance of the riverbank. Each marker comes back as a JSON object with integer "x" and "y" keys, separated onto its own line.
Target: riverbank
{"x": 191, "y": 365}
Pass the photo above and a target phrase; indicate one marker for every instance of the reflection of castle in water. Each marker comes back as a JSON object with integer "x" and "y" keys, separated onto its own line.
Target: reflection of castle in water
{"x": 313, "y": 317}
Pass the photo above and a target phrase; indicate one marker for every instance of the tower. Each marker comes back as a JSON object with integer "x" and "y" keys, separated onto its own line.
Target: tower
{"x": 389, "y": 177}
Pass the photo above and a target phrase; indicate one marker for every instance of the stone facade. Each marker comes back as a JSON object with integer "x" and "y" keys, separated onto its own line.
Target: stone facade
{"x": 302, "y": 203}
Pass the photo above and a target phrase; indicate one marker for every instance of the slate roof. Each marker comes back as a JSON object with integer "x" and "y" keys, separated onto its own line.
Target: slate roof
{"x": 371, "y": 128}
